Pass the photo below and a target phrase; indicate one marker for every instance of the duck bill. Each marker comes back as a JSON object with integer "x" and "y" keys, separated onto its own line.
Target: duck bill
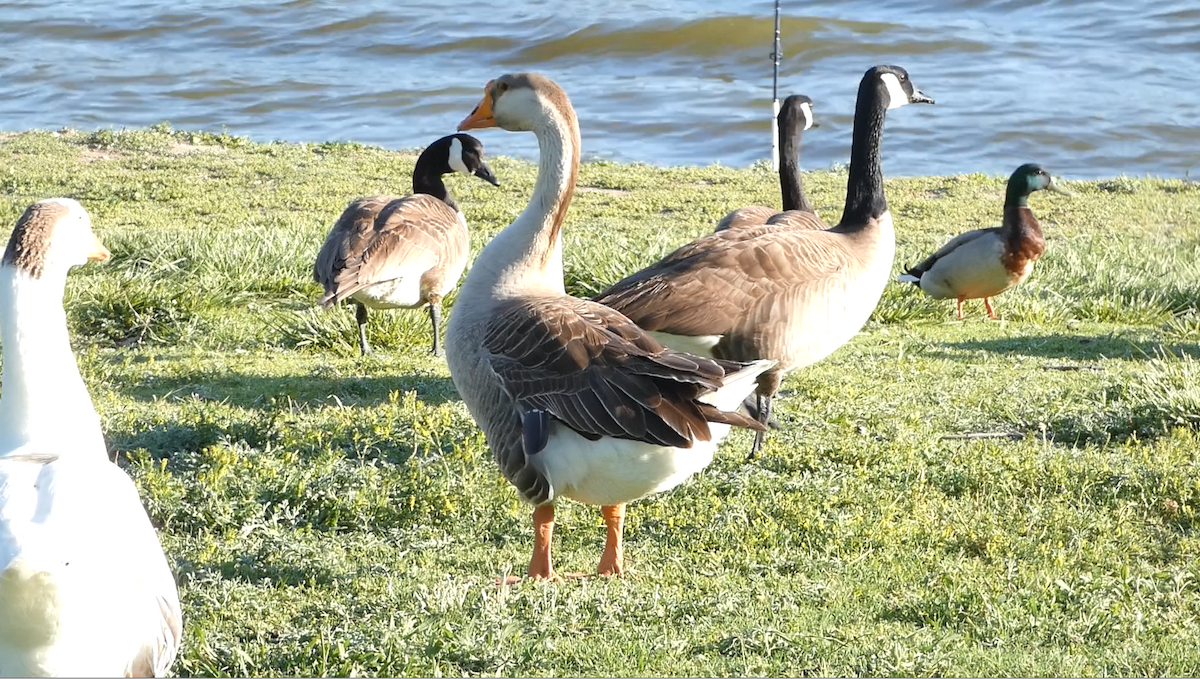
{"x": 1057, "y": 188}
{"x": 98, "y": 253}
{"x": 485, "y": 173}
{"x": 482, "y": 115}
{"x": 919, "y": 97}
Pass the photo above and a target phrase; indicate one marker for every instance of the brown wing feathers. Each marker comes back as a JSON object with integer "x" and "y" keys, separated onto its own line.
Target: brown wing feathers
{"x": 595, "y": 371}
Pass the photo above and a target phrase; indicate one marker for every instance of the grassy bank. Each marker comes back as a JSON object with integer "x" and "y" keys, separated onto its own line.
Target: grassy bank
{"x": 328, "y": 514}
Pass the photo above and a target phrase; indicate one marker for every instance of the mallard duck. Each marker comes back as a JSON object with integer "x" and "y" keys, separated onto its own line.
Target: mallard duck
{"x": 85, "y": 589}
{"x": 575, "y": 400}
{"x": 789, "y": 295}
{"x": 403, "y": 253}
{"x": 986, "y": 262}
{"x": 795, "y": 116}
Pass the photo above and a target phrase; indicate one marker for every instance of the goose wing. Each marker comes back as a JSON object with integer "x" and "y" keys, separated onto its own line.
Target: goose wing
{"x": 798, "y": 219}
{"x": 751, "y": 215}
{"x": 715, "y": 282}
{"x": 378, "y": 238}
{"x": 594, "y": 370}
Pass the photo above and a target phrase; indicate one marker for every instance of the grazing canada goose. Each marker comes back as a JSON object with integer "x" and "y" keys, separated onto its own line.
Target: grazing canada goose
{"x": 795, "y": 116}
{"x": 986, "y": 262}
{"x": 403, "y": 253}
{"x": 574, "y": 399}
{"x": 791, "y": 295}
{"x": 85, "y": 589}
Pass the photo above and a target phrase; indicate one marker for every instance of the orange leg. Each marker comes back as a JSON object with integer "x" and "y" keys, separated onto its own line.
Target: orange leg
{"x": 960, "y": 303}
{"x": 612, "y": 562}
{"x": 987, "y": 302}
{"x": 540, "y": 566}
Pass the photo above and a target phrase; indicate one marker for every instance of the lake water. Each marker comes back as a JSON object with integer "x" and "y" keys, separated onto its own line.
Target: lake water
{"x": 1089, "y": 88}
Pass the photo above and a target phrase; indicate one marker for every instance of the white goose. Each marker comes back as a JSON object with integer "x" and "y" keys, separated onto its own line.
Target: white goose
{"x": 85, "y": 589}
{"x": 575, "y": 400}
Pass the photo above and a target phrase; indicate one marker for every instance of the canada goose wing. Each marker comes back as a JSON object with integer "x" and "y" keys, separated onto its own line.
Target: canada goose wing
{"x": 798, "y": 219}
{"x": 350, "y": 233}
{"x": 751, "y": 215}
{"x": 593, "y": 369}
{"x": 709, "y": 292}
{"x": 952, "y": 245}
{"x": 413, "y": 233}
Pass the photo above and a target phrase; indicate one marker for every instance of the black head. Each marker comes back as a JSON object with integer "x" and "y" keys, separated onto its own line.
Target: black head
{"x": 1032, "y": 177}
{"x": 797, "y": 110}
{"x": 460, "y": 153}
{"x": 895, "y": 85}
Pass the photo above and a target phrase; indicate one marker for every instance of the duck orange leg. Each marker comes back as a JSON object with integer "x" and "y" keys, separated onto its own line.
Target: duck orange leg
{"x": 987, "y": 302}
{"x": 612, "y": 562}
{"x": 540, "y": 566}
{"x": 960, "y": 303}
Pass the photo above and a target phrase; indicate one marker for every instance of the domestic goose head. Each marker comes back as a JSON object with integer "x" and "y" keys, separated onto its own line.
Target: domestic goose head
{"x": 51, "y": 237}
{"x": 518, "y": 102}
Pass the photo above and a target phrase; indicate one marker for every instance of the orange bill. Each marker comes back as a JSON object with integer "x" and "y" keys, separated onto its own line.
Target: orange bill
{"x": 98, "y": 253}
{"x": 482, "y": 115}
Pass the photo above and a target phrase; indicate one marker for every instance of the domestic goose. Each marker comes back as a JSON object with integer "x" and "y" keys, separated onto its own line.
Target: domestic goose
{"x": 403, "y": 253}
{"x": 85, "y": 589}
{"x": 795, "y": 116}
{"x": 986, "y": 262}
{"x": 789, "y": 295}
{"x": 574, "y": 399}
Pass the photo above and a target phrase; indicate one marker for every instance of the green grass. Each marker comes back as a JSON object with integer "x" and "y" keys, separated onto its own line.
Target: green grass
{"x": 328, "y": 514}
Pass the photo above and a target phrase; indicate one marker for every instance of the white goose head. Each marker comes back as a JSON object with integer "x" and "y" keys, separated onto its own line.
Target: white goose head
{"x": 51, "y": 237}
{"x": 518, "y": 102}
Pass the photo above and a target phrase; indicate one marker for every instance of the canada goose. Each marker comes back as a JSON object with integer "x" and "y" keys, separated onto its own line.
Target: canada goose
{"x": 85, "y": 589}
{"x": 403, "y": 253}
{"x": 986, "y": 262}
{"x": 791, "y": 295}
{"x": 574, "y": 399}
{"x": 795, "y": 116}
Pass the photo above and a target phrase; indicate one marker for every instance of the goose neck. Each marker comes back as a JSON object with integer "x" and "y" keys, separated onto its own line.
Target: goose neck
{"x": 865, "y": 199}
{"x": 526, "y": 257}
{"x": 44, "y": 398}
{"x": 790, "y": 184}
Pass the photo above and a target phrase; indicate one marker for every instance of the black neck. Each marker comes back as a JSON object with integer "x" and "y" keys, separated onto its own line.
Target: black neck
{"x": 428, "y": 179}
{"x": 864, "y": 190}
{"x": 790, "y": 184}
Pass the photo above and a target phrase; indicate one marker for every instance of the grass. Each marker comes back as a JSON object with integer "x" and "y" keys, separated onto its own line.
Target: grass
{"x": 331, "y": 515}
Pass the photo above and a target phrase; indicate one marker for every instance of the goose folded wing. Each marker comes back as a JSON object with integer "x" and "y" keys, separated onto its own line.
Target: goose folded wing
{"x": 599, "y": 374}
{"x": 709, "y": 288}
{"x": 409, "y": 234}
{"x": 798, "y": 219}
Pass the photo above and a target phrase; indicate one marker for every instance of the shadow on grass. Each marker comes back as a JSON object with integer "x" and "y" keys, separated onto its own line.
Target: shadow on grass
{"x": 1076, "y": 347}
{"x": 255, "y": 391}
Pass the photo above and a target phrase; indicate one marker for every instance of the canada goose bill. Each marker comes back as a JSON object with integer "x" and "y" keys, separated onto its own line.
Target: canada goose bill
{"x": 403, "y": 253}
{"x": 575, "y": 400}
{"x": 790, "y": 295}
{"x": 983, "y": 263}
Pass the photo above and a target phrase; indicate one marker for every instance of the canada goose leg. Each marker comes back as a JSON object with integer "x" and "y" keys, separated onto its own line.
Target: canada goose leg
{"x": 360, "y": 315}
{"x": 764, "y": 416}
{"x": 540, "y": 566}
{"x": 987, "y": 302}
{"x": 960, "y": 303}
{"x": 435, "y": 317}
{"x": 612, "y": 562}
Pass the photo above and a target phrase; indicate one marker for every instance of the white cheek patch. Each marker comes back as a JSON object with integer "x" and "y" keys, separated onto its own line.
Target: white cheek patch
{"x": 897, "y": 97}
{"x": 806, "y": 109}
{"x": 455, "y": 159}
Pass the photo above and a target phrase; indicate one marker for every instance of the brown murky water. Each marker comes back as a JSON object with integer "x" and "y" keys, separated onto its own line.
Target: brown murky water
{"x": 1089, "y": 88}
